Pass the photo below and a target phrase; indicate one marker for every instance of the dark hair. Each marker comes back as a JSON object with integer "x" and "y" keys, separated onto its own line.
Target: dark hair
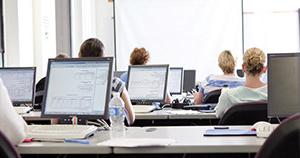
{"x": 91, "y": 47}
{"x": 62, "y": 56}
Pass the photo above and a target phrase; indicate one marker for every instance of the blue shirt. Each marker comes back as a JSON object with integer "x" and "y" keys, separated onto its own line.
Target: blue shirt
{"x": 124, "y": 77}
{"x": 214, "y": 82}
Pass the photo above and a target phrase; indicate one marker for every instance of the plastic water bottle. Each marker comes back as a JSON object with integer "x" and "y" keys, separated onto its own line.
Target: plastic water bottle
{"x": 116, "y": 115}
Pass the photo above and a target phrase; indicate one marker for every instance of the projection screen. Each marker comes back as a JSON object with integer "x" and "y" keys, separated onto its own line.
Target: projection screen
{"x": 182, "y": 33}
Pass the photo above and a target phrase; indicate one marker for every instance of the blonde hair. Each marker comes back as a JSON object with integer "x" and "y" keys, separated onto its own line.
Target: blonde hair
{"x": 139, "y": 56}
{"x": 254, "y": 60}
{"x": 226, "y": 62}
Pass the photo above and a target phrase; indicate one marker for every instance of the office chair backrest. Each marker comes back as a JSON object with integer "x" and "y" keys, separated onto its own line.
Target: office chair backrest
{"x": 284, "y": 141}
{"x": 240, "y": 73}
{"x": 7, "y": 149}
{"x": 212, "y": 97}
{"x": 39, "y": 93}
{"x": 245, "y": 114}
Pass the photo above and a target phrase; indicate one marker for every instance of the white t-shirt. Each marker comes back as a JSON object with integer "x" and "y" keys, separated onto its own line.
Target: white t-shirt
{"x": 230, "y": 97}
{"x": 11, "y": 123}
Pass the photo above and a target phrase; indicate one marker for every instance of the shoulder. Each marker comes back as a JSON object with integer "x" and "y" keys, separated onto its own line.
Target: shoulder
{"x": 117, "y": 85}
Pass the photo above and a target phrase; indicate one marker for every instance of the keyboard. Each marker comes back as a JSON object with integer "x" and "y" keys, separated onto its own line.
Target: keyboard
{"x": 143, "y": 108}
{"x": 201, "y": 107}
{"x": 22, "y": 109}
{"x": 60, "y": 132}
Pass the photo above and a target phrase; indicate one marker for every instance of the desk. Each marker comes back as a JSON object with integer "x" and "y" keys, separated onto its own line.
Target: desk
{"x": 188, "y": 139}
{"x": 165, "y": 117}
{"x": 67, "y": 148}
{"x": 164, "y": 114}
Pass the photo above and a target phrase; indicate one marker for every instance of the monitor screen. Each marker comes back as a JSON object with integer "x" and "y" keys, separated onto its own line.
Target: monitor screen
{"x": 283, "y": 84}
{"x": 175, "y": 80}
{"x": 78, "y": 87}
{"x": 20, "y": 83}
{"x": 147, "y": 82}
{"x": 189, "y": 80}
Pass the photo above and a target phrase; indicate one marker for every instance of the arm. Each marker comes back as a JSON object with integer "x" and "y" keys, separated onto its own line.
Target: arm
{"x": 198, "y": 98}
{"x": 128, "y": 106}
{"x": 223, "y": 103}
{"x": 11, "y": 123}
{"x": 168, "y": 99}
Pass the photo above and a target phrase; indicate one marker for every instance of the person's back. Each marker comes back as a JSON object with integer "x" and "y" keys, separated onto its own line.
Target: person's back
{"x": 139, "y": 56}
{"x": 253, "y": 89}
{"x": 11, "y": 123}
{"x": 214, "y": 82}
{"x": 93, "y": 47}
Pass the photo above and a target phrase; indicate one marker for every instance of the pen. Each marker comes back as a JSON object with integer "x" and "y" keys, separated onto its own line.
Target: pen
{"x": 80, "y": 141}
{"x": 221, "y": 127}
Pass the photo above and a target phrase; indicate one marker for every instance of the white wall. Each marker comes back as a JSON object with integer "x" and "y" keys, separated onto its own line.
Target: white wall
{"x": 29, "y": 28}
{"x": 92, "y": 18}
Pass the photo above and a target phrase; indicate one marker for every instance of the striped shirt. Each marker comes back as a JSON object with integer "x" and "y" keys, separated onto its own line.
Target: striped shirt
{"x": 117, "y": 85}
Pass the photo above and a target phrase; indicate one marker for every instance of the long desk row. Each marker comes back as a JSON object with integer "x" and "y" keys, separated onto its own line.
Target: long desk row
{"x": 164, "y": 114}
{"x": 187, "y": 139}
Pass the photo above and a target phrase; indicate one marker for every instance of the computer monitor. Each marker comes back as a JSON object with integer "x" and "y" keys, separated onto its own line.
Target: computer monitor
{"x": 20, "y": 83}
{"x": 175, "y": 80}
{"x": 283, "y": 84}
{"x": 118, "y": 73}
{"x": 189, "y": 80}
{"x": 78, "y": 87}
{"x": 147, "y": 83}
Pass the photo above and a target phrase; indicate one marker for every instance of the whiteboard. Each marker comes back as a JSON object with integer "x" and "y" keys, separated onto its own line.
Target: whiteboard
{"x": 182, "y": 33}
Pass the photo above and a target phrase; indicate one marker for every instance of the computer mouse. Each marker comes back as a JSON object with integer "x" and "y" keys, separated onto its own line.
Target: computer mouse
{"x": 150, "y": 129}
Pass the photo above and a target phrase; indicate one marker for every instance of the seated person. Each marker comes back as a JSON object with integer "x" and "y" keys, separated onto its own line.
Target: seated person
{"x": 252, "y": 90}
{"x": 139, "y": 56}
{"x": 93, "y": 47}
{"x": 39, "y": 88}
{"x": 214, "y": 82}
{"x": 12, "y": 124}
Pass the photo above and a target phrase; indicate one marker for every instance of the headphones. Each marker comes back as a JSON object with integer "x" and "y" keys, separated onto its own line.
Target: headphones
{"x": 179, "y": 104}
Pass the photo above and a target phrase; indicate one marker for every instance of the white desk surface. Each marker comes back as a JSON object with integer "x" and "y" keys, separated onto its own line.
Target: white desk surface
{"x": 34, "y": 116}
{"x": 164, "y": 114}
{"x": 67, "y": 148}
{"x": 188, "y": 139}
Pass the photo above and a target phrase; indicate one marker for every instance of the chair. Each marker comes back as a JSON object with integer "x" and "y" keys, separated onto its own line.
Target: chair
{"x": 240, "y": 73}
{"x": 39, "y": 93}
{"x": 245, "y": 114}
{"x": 7, "y": 150}
{"x": 284, "y": 141}
{"x": 212, "y": 97}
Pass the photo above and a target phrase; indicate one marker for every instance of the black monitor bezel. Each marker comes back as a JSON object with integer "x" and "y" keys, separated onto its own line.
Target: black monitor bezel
{"x": 33, "y": 84}
{"x": 185, "y": 82}
{"x": 277, "y": 55}
{"x": 108, "y": 91}
{"x": 181, "y": 84}
{"x": 166, "y": 66}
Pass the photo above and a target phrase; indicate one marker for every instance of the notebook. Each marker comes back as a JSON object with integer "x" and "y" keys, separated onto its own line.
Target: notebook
{"x": 229, "y": 132}
{"x": 59, "y": 132}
